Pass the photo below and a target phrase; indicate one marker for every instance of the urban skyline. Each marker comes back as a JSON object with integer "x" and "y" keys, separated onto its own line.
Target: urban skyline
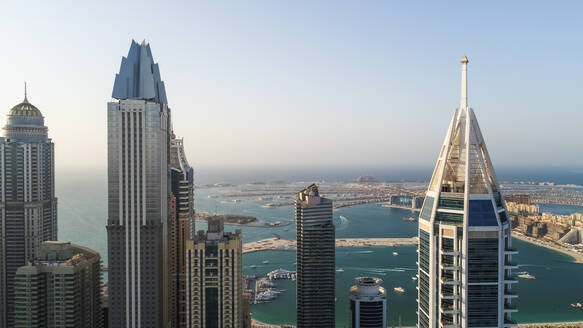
{"x": 443, "y": 252}
{"x": 390, "y": 63}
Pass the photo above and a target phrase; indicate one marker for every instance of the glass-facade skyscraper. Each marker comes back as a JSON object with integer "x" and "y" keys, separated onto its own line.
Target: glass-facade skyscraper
{"x": 464, "y": 234}
{"x": 315, "y": 259}
{"x": 138, "y": 193}
{"x": 28, "y": 206}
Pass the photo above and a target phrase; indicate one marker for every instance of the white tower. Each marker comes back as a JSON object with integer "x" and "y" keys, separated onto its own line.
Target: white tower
{"x": 464, "y": 234}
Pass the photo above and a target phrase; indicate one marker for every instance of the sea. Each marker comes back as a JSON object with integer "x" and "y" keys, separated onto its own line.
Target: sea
{"x": 82, "y": 199}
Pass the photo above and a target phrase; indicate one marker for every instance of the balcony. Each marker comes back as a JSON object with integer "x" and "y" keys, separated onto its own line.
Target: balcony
{"x": 449, "y": 309}
{"x": 449, "y": 281}
{"x": 510, "y": 265}
{"x": 448, "y": 323}
{"x": 450, "y": 266}
{"x": 510, "y": 251}
{"x": 448, "y": 252}
{"x": 510, "y": 279}
{"x": 508, "y": 293}
{"x": 509, "y": 308}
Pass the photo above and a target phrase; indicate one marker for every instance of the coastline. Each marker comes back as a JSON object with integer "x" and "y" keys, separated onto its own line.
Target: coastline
{"x": 275, "y": 243}
{"x": 577, "y": 257}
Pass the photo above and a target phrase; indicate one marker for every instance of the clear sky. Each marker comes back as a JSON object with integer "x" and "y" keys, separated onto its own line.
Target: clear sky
{"x": 272, "y": 83}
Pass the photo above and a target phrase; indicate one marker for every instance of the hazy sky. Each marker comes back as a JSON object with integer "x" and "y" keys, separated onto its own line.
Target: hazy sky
{"x": 339, "y": 83}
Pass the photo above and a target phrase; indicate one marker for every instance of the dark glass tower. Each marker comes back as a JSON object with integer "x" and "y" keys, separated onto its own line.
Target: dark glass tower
{"x": 28, "y": 204}
{"x": 138, "y": 189}
{"x": 315, "y": 259}
{"x": 464, "y": 234}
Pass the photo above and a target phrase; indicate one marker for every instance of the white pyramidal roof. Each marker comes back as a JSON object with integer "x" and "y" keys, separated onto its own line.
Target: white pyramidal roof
{"x": 139, "y": 77}
{"x": 464, "y": 163}
{"x": 464, "y": 176}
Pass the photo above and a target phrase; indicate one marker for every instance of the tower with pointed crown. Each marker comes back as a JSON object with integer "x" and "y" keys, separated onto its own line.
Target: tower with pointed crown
{"x": 464, "y": 234}
{"x": 138, "y": 125}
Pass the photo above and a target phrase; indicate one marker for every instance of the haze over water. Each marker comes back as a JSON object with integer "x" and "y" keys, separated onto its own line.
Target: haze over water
{"x": 83, "y": 214}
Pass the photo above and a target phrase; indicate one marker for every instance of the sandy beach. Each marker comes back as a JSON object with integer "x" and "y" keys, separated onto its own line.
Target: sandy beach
{"x": 577, "y": 256}
{"x": 282, "y": 244}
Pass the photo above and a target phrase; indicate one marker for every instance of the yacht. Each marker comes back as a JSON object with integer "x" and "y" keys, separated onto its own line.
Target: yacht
{"x": 399, "y": 289}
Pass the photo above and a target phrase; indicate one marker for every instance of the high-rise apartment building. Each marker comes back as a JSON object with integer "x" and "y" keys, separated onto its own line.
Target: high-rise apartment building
{"x": 138, "y": 194}
{"x": 214, "y": 275}
{"x": 28, "y": 206}
{"x": 464, "y": 234}
{"x": 315, "y": 259}
{"x": 60, "y": 288}
{"x": 368, "y": 304}
{"x": 181, "y": 228}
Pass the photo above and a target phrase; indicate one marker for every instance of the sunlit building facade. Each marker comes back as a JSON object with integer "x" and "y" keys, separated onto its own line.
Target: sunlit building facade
{"x": 214, "y": 278}
{"x": 28, "y": 206}
{"x": 465, "y": 245}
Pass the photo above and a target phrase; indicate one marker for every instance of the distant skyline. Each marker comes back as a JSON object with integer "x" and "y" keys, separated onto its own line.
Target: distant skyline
{"x": 334, "y": 83}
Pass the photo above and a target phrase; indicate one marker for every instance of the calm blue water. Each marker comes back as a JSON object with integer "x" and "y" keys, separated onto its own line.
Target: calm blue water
{"x": 82, "y": 219}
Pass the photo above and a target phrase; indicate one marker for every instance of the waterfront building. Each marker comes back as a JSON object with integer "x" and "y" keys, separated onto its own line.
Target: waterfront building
{"x": 28, "y": 205}
{"x": 138, "y": 193}
{"x": 60, "y": 288}
{"x": 368, "y": 304}
{"x": 315, "y": 259}
{"x": 518, "y": 198}
{"x": 181, "y": 228}
{"x": 464, "y": 234}
{"x": 214, "y": 273}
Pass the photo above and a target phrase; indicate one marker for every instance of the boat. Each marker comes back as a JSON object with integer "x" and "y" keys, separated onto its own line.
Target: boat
{"x": 413, "y": 278}
{"x": 577, "y": 305}
{"x": 253, "y": 266}
{"x": 410, "y": 219}
{"x": 395, "y": 253}
{"x": 339, "y": 270}
{"x": 265, "y": 262}
{"x": 399, "y": 289}
{"x": 525, "y": 275}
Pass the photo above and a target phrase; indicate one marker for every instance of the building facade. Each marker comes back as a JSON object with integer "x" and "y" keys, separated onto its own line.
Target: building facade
{"x": 181, "y": 228}
{"x": 368, "y": 304}
{"x": 138, "y": 194}
{"x": 28, "y": 206}
{"x": 214, "y": 273}
{"x": 465, "y": 245}
{"x": 315, "y": 259}
{"x": 60, "y": 288}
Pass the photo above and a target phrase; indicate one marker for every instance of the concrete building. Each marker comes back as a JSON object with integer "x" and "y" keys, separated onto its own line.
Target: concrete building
{"x": 60, "y": 288}
{"x": 138, "y": 189}
{"x": 28, "y": 206}
{"x": 464, "y": 234}
{"x": 315, "y": 259}
{"x": 214, "y": 274}
{"x": 368, "y": 304}
{"x": 181, "y": 228}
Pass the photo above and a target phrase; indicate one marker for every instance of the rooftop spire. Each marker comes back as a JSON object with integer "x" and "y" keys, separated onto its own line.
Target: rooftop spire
{"x": 464, "y": 100}
{"x": 25, "y": 98}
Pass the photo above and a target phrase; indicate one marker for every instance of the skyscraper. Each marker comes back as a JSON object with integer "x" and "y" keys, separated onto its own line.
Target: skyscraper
{"x": 464, "y": 234}
{"x": 368, "y": 304}
{"x": 214, "y": 273}
{"x": 60, "y": 288}
{"x": 28, "y": 204}
{"x": 315, "y": 259}
{"x": 181, "y": 228}
{"x": 138, "y": 190}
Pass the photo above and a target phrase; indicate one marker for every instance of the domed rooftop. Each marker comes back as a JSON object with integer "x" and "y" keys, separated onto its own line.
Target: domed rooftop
{"x": 25, "y": 109}
{"x": 25, "y": 123}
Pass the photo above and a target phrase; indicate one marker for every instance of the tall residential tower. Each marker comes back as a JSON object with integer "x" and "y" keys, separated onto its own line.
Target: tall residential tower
{"x": 138, "y": 189}
{"x": 315, "y": 259}
{"x": 214, "y": 278}
{"x": 464, "y": 234}
{"x": 368, "y": 303}
{"x": 28, "y": 204}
